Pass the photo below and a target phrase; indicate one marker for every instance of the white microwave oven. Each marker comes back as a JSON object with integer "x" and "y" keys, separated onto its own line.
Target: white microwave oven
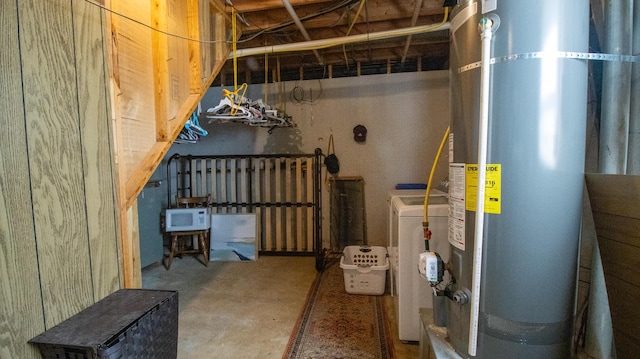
{"x": 187, "y": 219}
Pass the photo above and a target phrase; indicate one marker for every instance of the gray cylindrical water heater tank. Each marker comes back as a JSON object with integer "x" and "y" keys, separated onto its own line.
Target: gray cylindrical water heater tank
{"x": 537, "y": 116}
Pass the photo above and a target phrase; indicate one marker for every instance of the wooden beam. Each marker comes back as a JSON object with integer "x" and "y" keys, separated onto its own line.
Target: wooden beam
{"x": 195, "y": 60}
{"x": 390, "y": 13}
{"x": 252, "y": 5}
{"x": 131, "y": 181}
{"x": 160, "y": 53}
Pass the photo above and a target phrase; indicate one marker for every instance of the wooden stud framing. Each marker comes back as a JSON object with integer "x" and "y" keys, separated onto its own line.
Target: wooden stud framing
{"x": 160, "y": 53}
{"x": 195, "y": 63}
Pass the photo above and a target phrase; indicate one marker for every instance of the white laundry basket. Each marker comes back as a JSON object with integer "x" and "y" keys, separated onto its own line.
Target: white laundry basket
{"x": 365, "y": 269}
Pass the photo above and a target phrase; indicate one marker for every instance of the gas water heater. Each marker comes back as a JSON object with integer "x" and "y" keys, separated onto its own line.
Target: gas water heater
{"x": 536, "y": 103}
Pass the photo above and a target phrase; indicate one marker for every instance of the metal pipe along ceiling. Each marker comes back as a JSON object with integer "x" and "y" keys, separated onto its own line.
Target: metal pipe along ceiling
{"x": 296, "y": 19}
{"x": 324, "y": 43}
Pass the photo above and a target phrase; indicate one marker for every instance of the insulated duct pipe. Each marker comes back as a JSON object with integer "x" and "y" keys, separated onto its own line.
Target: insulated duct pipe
{"x": 324, "y": 43}
{"x": 304, "y": 32}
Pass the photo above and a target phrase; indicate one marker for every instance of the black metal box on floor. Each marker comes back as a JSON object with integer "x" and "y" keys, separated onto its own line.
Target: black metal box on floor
{"x": 129, "y": 323}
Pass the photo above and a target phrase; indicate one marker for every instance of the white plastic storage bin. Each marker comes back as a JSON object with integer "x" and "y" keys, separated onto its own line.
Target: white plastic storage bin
{"x": 365, "y": 269}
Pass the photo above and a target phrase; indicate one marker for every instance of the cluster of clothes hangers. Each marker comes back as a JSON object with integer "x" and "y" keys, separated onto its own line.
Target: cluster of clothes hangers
{"x": 192, "y": 132}
{"x": 235, "y": 107}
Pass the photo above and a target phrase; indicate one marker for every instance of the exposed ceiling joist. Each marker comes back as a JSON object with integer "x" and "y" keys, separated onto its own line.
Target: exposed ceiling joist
{"x": 269, "y": 23}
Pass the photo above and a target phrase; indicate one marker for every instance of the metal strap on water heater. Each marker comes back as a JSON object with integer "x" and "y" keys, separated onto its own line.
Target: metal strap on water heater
{"x": 555, "y": 54}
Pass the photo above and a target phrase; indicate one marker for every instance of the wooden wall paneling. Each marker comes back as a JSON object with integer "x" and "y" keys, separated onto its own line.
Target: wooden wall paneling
{"x": 55, "y": 160}
{"x": 288, "y": 189}
{"x": 615, "y": 194}
{"x": 268, "y": 197}
{"x": 309, "y": 199}
{"x": 299, "y": 208}
{"x": 278, "y": 191}
{"x": 619, "y": 228}
{"x": 100, "y": 197}
{"x": 615, "y": 200}
{"x": 626, "y": 312}
{"x": 620, "y": 246}
{"x": 21, "y": 316}
{"x": 626, "y": 346}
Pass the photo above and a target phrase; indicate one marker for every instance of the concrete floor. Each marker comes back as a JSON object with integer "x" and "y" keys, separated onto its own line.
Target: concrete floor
{"x": 243, "y": 309}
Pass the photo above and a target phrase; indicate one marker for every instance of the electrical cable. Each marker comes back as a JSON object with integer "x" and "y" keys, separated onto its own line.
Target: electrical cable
{"x": 297, "y": 95}
{"x": 304, "y": 18}
{"x": 355, "y": 18}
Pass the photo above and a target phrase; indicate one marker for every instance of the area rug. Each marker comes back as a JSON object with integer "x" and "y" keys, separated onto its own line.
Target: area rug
{"x": 336, "y": 324}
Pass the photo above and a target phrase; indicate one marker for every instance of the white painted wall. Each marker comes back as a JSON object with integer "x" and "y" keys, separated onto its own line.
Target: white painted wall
{"x": 406, "y": 115}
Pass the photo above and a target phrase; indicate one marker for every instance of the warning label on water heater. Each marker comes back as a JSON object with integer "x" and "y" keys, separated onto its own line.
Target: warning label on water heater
{"x": 456, "y": 205}
{"x": 492, "y": 190}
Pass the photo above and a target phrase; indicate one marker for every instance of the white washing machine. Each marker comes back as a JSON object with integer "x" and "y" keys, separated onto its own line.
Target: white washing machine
{"x": 392, "y": 195}
{"x": 411, "y": 291}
